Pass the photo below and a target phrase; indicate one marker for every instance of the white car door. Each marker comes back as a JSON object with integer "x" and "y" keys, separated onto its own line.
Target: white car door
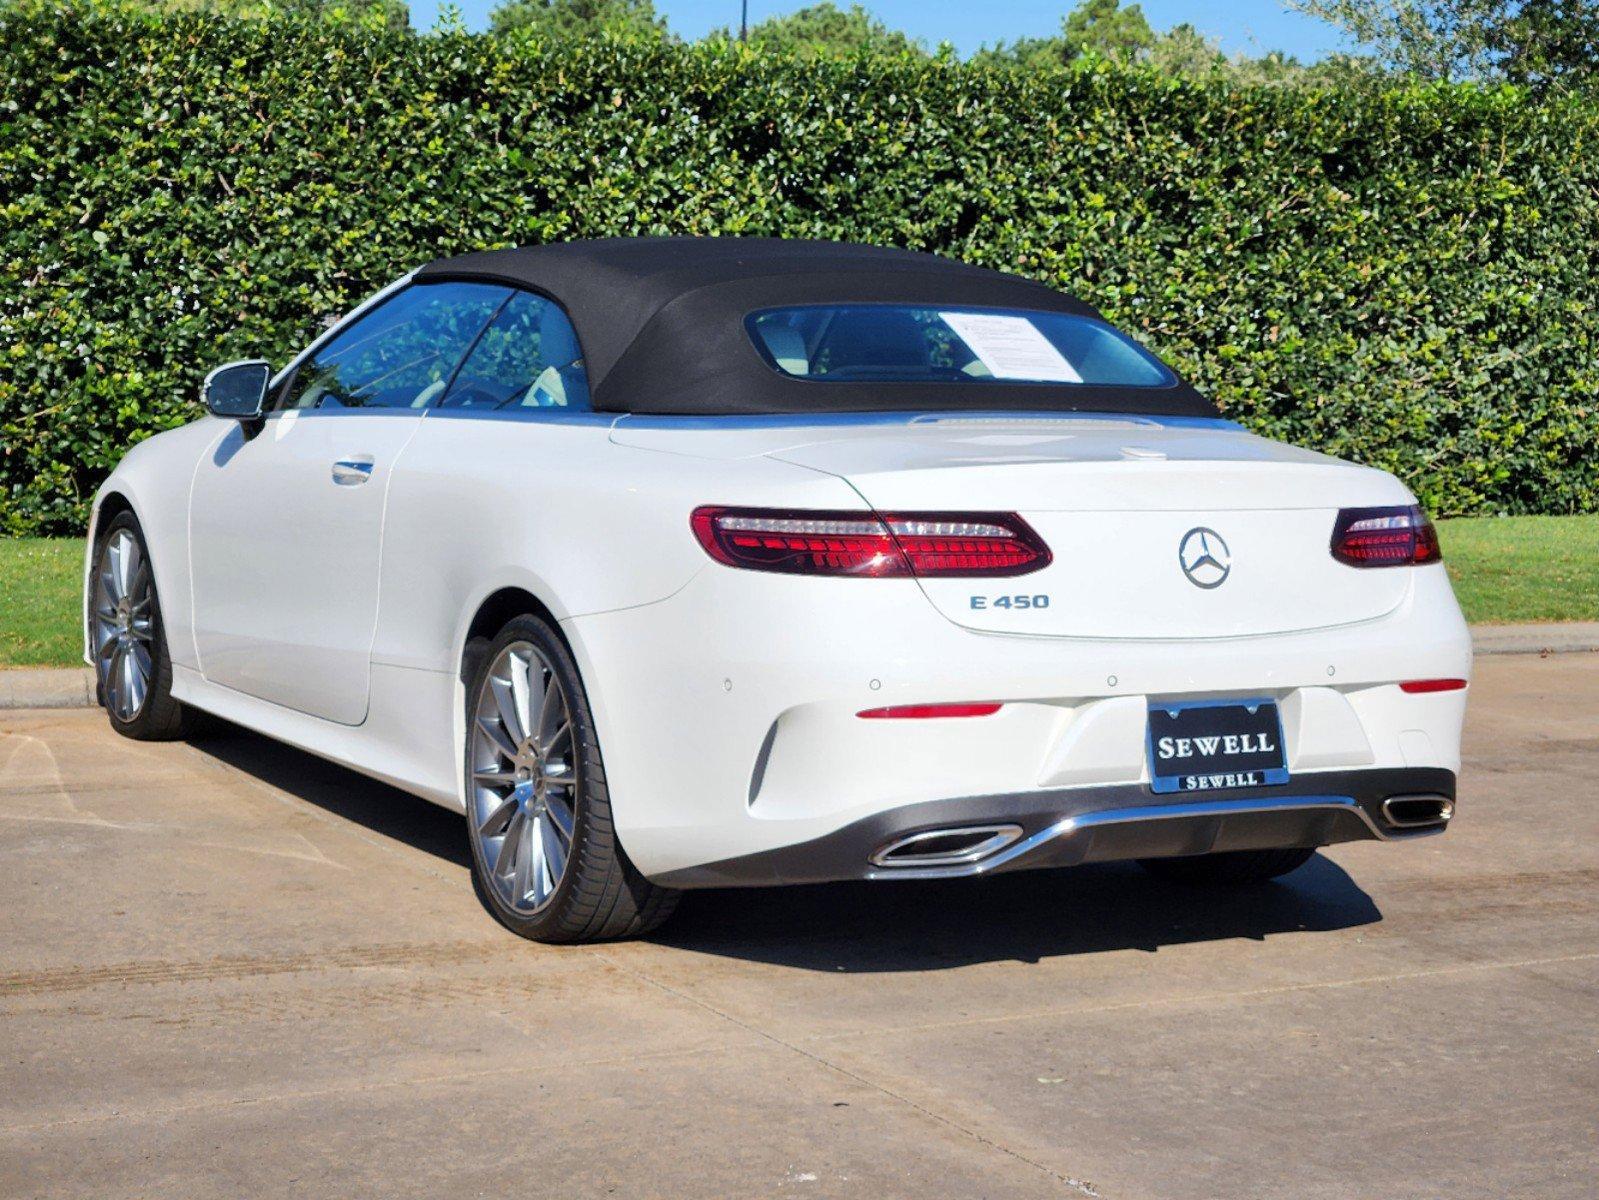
{"x": 286, "y": 526}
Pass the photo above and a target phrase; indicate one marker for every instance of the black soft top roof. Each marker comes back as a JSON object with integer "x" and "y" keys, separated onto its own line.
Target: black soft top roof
{"x": 661, "y": 323}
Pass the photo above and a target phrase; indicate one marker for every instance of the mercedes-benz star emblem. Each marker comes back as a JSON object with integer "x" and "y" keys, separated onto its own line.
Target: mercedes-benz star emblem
{"x": 1205, "y": 558}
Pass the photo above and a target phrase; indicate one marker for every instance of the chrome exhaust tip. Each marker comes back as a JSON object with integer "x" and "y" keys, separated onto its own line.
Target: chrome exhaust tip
{"x": 946, "y": 847}
{"x": 1413, "y": 812}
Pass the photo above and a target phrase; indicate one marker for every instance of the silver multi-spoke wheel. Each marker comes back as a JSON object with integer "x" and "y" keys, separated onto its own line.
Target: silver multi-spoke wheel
{"x": 124, "y": 625}
{"x": 545, "y": 857}
{"x": 524, "y": 778}
{"x": 132, "y": 669}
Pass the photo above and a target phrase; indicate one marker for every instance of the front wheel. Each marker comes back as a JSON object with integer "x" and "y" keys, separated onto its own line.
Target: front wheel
{"x": 132, "y": 669}
{"x": 1229, "y": 868}
{"x": 545, "y": 858}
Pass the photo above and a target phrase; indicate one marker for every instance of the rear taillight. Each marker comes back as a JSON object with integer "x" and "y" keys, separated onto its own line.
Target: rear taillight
{"x": 1420, "y": 687}
{"x": 1400, "y": 536}
{"x": 869, "y": 544}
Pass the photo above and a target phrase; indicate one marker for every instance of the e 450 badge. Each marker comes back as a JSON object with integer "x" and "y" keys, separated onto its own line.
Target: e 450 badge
{"x": 1037, "y": 600}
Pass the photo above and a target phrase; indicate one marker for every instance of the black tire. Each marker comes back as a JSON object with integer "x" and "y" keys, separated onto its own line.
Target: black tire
{"x": 601, "y": 896}
{"x": 1230, "y": 869}
{"x": 159, "y": 718}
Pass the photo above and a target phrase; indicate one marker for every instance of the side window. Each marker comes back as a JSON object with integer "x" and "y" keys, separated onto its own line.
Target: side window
{"x": 399, "y": 355}
{"x": 528, "y": 359}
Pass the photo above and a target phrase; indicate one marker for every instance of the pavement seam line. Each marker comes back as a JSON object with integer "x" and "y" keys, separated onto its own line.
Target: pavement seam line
{"x": 177, "y": 1110}
{"x": 1210, "y": 997}
{"x": 156, "y": 972}
{"x": 1081, "y": 1186}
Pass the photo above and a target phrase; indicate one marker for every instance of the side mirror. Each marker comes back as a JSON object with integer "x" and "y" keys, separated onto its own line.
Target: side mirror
{"x": 237, "y": 390}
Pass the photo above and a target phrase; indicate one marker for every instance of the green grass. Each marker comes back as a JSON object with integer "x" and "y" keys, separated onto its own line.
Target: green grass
{"x": 1505, "y": 569}
{"x": 1511, "y": 569}
{"x": 40, "y": 579}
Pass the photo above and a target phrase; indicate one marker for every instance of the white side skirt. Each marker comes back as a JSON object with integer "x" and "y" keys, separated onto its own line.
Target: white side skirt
{"x": 408, "y": 739}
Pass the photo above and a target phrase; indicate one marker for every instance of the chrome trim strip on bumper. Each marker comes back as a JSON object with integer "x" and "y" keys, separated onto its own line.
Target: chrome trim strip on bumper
{"x": 1108, "y": 823}
{"x": 1153, "y": 812}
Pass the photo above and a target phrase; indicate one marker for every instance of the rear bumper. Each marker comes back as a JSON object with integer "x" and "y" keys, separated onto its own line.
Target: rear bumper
{"x": 1065, "y": 827}
{"x": 728, "y": 712}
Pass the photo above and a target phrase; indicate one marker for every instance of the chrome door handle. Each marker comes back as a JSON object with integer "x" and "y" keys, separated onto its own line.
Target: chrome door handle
{"x": 348, "y": 472}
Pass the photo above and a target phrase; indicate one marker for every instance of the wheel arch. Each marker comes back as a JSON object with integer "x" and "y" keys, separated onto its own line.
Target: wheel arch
{"x": 112, "y": 503}
{"x": 492, "y": 613}
{"x": 108, "y": 505}
{"x": 488, "y": 617}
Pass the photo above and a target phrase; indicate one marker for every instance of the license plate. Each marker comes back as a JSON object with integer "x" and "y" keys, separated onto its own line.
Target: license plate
{"x": 1211, "y": 745}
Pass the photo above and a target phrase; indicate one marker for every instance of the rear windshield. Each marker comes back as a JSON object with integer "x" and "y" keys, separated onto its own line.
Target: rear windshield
{"x": 890, "y": 343}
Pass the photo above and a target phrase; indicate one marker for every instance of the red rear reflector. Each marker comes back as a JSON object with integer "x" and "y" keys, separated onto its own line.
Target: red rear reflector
{"x": 1400, "y": 536}
{"x": 869, "y": 544}
{"x": 1418, "y": 686}
{"x": 901, "y": 712}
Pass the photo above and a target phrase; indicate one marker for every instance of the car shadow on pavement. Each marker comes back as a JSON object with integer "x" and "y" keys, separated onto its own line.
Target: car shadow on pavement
{"x": 344, "y": 793}
{"x": 1025, "y": 916}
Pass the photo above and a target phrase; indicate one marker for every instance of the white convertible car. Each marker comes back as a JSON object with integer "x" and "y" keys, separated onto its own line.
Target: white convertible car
{"x": 702, "y": 562}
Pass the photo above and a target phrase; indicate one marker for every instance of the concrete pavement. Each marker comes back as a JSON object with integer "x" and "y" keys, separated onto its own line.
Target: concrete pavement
{"x": 228, "y": 969}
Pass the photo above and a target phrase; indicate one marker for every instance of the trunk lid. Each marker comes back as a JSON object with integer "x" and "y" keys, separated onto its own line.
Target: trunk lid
{"x": 1125, "y": 505}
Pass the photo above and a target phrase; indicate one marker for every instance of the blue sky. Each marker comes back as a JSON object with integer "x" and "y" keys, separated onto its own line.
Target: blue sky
{"x": 1252, "y": 26}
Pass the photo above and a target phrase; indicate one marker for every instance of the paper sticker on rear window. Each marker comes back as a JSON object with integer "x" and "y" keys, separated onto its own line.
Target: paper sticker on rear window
{"x": 1011, "y": 347}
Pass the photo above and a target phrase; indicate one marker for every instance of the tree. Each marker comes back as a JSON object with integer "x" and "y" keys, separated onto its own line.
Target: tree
{"x": 1183, "y": 50}
{"x": 827, "y": 31}
{"x": 1538, "y": 43}
{"x": 579, "y": 18}
{"x": 1550, "y": 42}
{"x": 1103, "y": 27}
{"x": 1100, "y": 27}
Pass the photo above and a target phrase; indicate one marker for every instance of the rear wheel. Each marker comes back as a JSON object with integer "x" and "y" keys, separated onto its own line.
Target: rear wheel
{"x": 132, "y": 669}
{"x": 1230, "y": 868}
{"x": 545, "y": 858}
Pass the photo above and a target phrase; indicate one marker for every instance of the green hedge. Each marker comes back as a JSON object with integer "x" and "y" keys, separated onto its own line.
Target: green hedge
{"x": 1406, "y": 278}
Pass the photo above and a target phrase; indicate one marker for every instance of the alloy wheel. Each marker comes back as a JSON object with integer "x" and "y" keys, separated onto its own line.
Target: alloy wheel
{"x": 123, "y": 625}
{"x": 524, "y": 778}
